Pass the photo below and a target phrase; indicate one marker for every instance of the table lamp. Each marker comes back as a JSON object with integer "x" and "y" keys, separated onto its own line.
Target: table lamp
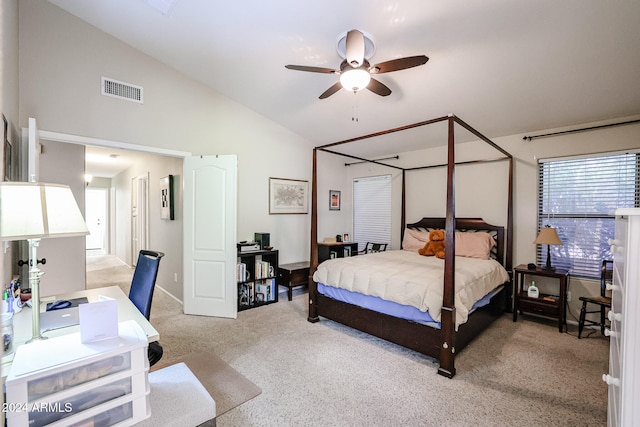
{"x": 34, "y": 211}
{"x": 548, "y": 236}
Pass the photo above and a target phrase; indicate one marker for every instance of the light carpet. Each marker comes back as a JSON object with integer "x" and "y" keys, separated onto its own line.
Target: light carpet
{"x": 325, "y": 374}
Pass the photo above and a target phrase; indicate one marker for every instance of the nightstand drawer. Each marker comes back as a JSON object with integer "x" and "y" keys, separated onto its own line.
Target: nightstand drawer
{"x": 538, "y": 306}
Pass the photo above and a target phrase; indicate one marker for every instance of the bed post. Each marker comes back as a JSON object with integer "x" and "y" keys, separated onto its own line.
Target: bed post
{"x": 509, "y": 259}
{"x": 313, "y": 261}
{"x": 403, "y": 212}
{"x": 448, "y": 312}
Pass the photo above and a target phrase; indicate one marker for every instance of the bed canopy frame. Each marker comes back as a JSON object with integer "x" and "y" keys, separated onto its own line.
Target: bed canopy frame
{"x": 447, "y": 335}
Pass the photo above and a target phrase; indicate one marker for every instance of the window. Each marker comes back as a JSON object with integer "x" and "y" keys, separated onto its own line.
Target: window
{"x": 372, "y": 210}
{"x": 578, "y": 196}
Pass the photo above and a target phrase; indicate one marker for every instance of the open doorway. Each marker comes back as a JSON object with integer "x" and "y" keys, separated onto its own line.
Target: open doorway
{"x": 97, "y": 218}
{"x": 103, "y": 160}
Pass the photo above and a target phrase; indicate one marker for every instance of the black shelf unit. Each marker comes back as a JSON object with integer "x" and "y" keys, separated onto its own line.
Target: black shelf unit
{"x": 259, "y": 286}
{"x": 339, "y": 250}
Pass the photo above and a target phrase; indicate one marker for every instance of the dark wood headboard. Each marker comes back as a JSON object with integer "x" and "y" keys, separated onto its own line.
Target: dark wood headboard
{"x": 467, "y": 224}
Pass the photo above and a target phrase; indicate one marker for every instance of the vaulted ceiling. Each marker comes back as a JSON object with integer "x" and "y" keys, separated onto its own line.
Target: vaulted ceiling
{"x": 505, "y": 67}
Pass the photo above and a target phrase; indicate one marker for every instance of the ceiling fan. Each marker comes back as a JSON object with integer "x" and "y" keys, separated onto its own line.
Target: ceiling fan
{"x": 355, "y": 71}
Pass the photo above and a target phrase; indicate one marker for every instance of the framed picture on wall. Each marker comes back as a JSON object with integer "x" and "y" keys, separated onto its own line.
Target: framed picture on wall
{"x": 7, "y": 150}
{"x": 166, "y": 197}
{"x": 334, "y": 200}
{"x": 288, "y": 196}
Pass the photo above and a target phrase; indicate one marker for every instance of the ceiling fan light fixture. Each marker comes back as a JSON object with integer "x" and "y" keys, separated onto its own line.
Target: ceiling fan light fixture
{"x": 355, "y": 79}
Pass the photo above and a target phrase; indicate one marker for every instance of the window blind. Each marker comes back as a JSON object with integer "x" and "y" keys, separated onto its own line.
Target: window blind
{"x": 578, "y": 196}
{"x": 372, "y": 210}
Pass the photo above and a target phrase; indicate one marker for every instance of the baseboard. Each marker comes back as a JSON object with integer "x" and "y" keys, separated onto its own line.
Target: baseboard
{"x": 169, "y": 294}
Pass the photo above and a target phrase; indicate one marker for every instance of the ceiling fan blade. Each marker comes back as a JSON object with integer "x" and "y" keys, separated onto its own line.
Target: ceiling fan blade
{"x": 311, "y": 69}
{"x": 355, "y": 48}
{"x": 333, "y": 89}
{"x": 399, "y": 64}
{"x": 378, "y": 88}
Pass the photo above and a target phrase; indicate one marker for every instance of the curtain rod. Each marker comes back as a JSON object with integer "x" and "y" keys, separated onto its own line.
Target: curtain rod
{"x": 529, "y": 138}
{"x": 376, "y": 160}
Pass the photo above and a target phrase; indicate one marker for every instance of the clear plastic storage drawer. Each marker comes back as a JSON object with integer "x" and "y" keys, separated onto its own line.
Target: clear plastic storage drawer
{"x": 82, "y": 374}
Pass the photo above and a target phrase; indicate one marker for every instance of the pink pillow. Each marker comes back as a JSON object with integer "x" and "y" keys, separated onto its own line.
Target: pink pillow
{"x": 414, "y": 239}
{"x": 474, "y": 245}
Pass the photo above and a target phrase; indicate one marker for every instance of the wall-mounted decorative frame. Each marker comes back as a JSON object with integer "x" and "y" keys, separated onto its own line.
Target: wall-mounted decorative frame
{"x": 288, "y": 196}
{"x": 334, "y": 200}
{"x": 166, "y": 197}
{"x": 7, "y": 150}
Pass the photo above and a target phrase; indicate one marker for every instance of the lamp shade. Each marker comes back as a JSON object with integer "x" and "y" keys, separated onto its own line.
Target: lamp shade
{"x": 31, "y": 210}
{"x": 355, "y": 79}
{"x": 548, "y": 236}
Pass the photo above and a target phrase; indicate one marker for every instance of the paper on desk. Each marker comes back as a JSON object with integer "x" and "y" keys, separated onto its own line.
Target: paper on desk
{"x": 98, "y": 320}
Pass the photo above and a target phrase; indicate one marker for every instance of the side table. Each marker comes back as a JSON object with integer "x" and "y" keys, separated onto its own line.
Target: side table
{"x": 549, "y": 305}
{"x": 292, "y": 275}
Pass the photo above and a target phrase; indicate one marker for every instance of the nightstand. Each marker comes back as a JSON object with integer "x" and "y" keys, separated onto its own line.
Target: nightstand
{"x": 554, "y": 306}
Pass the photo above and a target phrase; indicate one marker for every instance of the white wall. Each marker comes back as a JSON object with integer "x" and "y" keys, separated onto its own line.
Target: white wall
{"x": 332, "y": 175}
{"x": 62, "y": 61}
{"x": 8, "y": 107}
{"x": 164, "y": 235}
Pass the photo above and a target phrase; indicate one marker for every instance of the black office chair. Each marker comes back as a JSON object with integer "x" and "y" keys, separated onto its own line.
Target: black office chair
{"x": 601, "y": 302}
{"x": 370, "y": 248}
{"x": 141, "y": 293}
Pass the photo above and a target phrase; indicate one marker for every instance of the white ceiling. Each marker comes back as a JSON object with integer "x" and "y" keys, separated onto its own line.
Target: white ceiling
{"x": 109, "y": 162}
{"x": 504, "y": 66}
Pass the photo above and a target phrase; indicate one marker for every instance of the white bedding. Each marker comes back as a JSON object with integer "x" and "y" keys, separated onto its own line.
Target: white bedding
{"x": 408, "y": 278}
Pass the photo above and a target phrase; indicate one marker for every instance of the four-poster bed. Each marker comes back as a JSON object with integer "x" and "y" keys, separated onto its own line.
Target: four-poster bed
{"x": 449, "y": 335}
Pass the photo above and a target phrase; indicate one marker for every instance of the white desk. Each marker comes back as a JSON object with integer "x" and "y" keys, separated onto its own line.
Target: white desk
{"x": 126, "y": 311}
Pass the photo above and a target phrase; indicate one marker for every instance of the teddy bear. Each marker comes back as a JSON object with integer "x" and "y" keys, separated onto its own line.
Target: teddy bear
{"x": 435, "y": 245}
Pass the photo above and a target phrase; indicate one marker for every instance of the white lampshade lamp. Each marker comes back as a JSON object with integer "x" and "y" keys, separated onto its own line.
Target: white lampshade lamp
{"x": 34, "y": 211}
{"x": 355, "y": 79}
{"x": 548, "y": 236}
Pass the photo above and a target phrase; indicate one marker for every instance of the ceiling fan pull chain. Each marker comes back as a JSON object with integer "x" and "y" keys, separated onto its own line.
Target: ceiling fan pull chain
{"x": 354, "y": 114}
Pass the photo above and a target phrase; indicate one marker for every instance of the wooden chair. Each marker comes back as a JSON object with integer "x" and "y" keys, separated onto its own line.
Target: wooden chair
{"x": 601, "y": 302}
{"x": 370, "y": 248}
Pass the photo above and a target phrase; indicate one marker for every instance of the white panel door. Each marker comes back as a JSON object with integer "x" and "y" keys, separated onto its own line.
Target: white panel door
{"x": 210, "y": 206}
{"x": 96, "y": 217}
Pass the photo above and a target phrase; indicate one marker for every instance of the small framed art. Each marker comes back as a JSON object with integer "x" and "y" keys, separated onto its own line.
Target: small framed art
{"x": 166, "y": 197}
{"x": 334, "y": 200}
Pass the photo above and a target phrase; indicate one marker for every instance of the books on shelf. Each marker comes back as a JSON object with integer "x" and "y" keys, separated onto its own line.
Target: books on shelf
{"x": 266, "y": 290}
{"x": 245, "y": 294}
{"x": 263, "y": 269}
{"x": 242, "y": 274}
